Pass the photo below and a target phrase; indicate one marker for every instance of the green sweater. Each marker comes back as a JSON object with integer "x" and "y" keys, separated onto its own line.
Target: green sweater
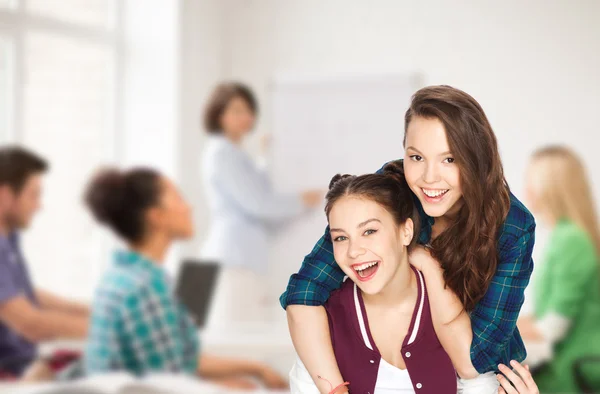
{"x": 569, "y": 285}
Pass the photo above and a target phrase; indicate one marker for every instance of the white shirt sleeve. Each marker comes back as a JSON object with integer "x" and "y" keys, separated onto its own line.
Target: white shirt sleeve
{"x": 240, "y": 179}
{"x": 300, "y": 380}
{"x": 553, "y": 327}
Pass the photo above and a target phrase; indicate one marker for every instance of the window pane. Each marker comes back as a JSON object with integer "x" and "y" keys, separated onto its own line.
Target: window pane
{"x": 97, "y": 13}
{"x": 68, "y": 99}
{"x": 5, "y": 89}
{"x": 8, "y": 3}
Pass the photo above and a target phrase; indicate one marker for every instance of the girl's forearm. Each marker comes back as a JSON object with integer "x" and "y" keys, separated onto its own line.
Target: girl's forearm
{"x": 309, "y": 329}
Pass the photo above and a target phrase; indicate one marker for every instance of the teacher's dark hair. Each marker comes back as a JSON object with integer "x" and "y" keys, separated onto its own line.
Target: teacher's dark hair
{"x": 220, "y": 98}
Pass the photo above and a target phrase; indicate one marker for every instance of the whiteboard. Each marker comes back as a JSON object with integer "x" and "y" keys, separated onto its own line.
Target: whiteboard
{"x": 324, "y": 126}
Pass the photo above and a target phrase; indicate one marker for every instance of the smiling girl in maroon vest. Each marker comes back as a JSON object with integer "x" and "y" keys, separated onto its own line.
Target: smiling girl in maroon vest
{"x": 379, "y": 320}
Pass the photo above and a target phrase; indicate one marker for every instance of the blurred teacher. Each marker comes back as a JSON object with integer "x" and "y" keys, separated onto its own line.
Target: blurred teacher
{"x": 243, "y": 206}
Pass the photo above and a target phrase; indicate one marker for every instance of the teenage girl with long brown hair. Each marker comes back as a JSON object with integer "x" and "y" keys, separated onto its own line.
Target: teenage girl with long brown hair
{"x": 476, "y": 237}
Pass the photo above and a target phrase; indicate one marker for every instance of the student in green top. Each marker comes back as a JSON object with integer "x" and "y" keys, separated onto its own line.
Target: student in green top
{"x": 567, "y": 289}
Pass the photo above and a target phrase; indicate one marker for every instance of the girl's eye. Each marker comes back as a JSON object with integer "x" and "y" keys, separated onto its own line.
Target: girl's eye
{"x": 449, "y": 160}
{"x": 340, "y": 239}
{"x": 369, "y": 232}
{"x": 416, "y": 158}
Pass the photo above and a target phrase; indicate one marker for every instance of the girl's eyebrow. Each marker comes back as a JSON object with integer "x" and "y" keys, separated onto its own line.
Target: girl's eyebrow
{"x": 339, "y": 230}
{"x": 416, "y": 150}
{"x": 367, "y": 222}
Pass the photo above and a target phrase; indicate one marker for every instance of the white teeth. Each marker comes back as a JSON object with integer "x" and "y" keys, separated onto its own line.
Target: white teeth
{"x": 365, "y": 266}
{"x": 434, "y": 193}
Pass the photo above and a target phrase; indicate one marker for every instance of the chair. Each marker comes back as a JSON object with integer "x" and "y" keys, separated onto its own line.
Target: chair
{"x": 583, "y": 382}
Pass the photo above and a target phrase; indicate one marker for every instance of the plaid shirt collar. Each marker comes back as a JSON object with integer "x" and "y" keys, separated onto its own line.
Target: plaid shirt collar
{"x": 130, "y": 258}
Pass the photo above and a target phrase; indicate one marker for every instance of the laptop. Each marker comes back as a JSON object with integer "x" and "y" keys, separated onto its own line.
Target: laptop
{"x": 195, "y": 287}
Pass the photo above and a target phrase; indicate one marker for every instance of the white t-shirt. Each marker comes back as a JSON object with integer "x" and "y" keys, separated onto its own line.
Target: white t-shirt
{"x": 390, "y": 380}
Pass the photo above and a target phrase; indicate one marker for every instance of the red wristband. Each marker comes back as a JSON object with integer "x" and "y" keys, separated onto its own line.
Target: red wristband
{"x": 338, "y": 387}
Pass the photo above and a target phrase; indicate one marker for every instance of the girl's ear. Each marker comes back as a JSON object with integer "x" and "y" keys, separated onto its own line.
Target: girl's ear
{"x": 407, "y": 232}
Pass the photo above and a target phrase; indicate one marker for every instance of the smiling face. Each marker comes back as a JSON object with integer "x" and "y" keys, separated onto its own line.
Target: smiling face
{"x": 429, "y": 167}
{"x": 368, "y": 245}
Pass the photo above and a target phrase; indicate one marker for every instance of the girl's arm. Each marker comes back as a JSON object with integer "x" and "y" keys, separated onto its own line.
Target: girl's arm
{"x": 307, "y": 291}
{"x": 450, "y": 320}
{"x": 309, "y": 329}
{"x": 494, "y": 320}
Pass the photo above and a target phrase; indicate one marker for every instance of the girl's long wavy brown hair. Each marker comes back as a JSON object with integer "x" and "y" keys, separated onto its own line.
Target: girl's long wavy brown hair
{"x": 467, "y": 249}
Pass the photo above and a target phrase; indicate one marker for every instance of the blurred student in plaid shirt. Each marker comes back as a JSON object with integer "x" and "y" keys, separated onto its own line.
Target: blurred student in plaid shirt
{"x": 137, "y": 324}
{"x": 476, "y": 244}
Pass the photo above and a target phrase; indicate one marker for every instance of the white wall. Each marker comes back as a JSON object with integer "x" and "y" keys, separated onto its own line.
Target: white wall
{"x": 201, "y": 68}
{"x": 176, "y": 60}
{"x": 150, "y": 95}
{"x": 173, "y": 57}
{"x": 150, "y": 123}
{"x": 532, "y": 65}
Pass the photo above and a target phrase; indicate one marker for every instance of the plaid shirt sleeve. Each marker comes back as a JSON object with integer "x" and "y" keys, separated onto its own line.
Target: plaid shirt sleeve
{"x": 318, "y": 276}
{"x": 151, "y": 330}
{"x": 495, "y": 336}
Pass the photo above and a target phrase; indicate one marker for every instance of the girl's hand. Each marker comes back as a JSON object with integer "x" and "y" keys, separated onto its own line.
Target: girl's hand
{"x": 272, "y": 379}
{"x": 523, "y": 382}
{"x": 236, "y": 383}
{"x": 421, "y": 258}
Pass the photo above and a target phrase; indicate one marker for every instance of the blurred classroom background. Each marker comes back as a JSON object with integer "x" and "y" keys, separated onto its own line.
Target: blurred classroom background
{"x": 89, "y": 83}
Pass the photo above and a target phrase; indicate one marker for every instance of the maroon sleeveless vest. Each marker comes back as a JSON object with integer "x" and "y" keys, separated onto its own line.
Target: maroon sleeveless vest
{"x": 428, "y": 365}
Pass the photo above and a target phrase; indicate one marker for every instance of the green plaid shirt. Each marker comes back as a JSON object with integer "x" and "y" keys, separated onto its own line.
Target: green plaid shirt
{"x": 496, "y": 338}
{"x": 137, "y": 325}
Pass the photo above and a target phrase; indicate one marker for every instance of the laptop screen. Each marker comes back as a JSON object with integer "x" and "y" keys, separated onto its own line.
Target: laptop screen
{"x": 195, "y": 287}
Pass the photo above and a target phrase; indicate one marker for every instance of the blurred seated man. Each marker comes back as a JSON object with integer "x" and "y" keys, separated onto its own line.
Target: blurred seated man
{"x": 28, "y": 315}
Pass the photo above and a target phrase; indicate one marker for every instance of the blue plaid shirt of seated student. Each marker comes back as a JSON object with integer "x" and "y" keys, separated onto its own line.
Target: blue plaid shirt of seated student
{"x": 137, "y": 324}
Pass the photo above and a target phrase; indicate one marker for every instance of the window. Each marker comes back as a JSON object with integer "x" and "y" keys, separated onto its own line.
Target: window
{"x": 7, "y": 4}
{"x": 67, "y": 102}
{"x": 5, "y": 88}
{"x": 95, "y": 13}
{"x": 58, "y": 97}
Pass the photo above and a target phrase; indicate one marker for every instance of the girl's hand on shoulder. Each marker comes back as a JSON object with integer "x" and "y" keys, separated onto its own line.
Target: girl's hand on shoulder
{"x": 522, "y": 381}
{"x": 421, "y": 258}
